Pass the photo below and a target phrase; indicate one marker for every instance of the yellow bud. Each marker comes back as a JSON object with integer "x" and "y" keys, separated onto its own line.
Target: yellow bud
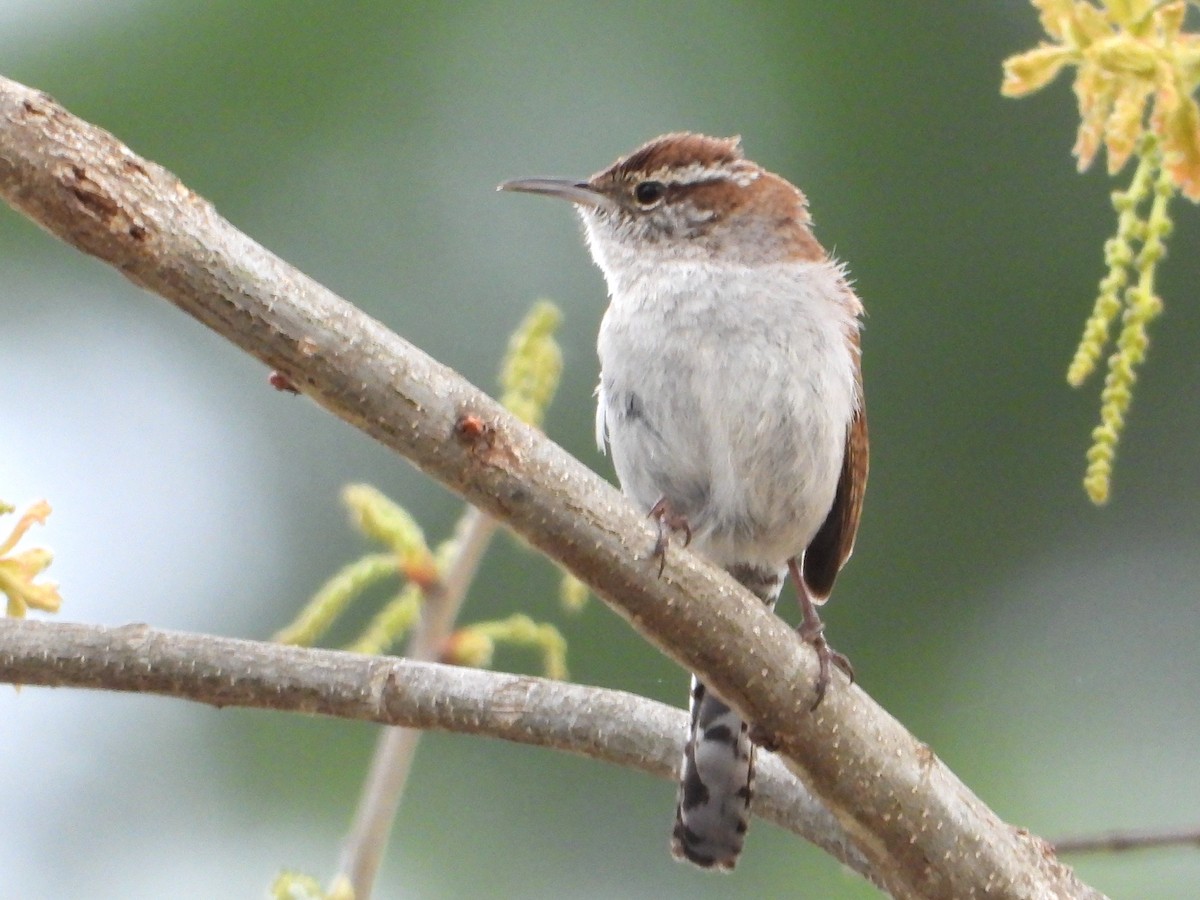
{"x": 1124, "y": 125}
{"x": 1169, "y": 19}
{"x": 1056, "y": 16}
{"x": 18, "y": 571}
{"x": 470, "y": 647}
{"x": 1124, "y": 54}
{"x": 1032, "y": 70}
{"x": 1086, "y": 25}
{"x": 1177, "y": 122}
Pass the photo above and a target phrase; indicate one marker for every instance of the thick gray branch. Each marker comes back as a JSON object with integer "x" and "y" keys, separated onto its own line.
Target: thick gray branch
{"x": 611, "y": 726}
{"x": 924, "y": 833}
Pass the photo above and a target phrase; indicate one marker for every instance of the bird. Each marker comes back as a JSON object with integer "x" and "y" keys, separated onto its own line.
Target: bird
{"x": 731, "y": 403}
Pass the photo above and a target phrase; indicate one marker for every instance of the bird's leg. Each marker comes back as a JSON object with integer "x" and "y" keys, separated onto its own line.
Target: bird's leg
{"x": 668, "y": 520}
{"x": 812, "y": 632}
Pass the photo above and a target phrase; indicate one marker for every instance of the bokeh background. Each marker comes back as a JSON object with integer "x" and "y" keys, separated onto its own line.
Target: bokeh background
{"x": 1044, "y": 648}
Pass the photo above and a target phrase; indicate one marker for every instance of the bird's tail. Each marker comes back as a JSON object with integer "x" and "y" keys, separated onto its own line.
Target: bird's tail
{"x": 716, "y": 779}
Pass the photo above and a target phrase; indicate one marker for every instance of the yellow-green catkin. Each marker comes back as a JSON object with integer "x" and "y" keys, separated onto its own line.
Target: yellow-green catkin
{"x": 572, "y": 593}
{"x": 474, "y": 644}
{"x": 334, "y": 596}
{"x": 532, "y": 366}
{"x": 382, "y": 519}
{"x": 1142, "y": 306}
{"x": 1118, "y": 256}
{"x": 391, "y": 623}
{"x": 529, "y": 378}
{"x": 1136, "y": 72}
{"x": 1132, "y": 255}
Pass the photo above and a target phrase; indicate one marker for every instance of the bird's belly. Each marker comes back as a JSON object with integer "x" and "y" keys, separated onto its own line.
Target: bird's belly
{"x": 730, "y": 395}
{"x": 753, "y": 469}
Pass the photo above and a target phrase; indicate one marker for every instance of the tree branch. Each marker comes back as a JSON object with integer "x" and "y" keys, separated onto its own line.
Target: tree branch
{"x": 383, "y": 788}
{"x": 1120, "y": 841}
{"x": 606, "y": 725}
{"x": 923, "y": 832}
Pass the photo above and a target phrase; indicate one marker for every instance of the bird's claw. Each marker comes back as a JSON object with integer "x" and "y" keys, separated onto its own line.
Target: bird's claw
{"x": 668, "y": 521}
{"x": 813, "y": 634}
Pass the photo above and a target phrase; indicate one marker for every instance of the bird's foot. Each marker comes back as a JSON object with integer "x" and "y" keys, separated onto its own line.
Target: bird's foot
{"x": 668, "y": 521}
{"x": 812, "y": 632}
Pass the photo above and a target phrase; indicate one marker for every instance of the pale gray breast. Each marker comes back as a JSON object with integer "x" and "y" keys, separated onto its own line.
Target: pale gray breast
{"x": 735, "y": 412}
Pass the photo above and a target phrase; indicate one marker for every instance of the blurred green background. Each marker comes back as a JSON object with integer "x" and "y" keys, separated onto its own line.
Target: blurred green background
{"x": 1044, "y": 648}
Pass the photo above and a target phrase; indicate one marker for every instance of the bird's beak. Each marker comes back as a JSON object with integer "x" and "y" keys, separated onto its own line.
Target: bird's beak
{"x": 578, "y": 192}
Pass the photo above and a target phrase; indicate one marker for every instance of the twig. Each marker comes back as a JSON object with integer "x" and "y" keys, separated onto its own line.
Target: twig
{"x": 1118, "y": 841}
{"x": 383, "y": 787}
{"x": 925, "y": 834}
{"x": 606, "y": 725}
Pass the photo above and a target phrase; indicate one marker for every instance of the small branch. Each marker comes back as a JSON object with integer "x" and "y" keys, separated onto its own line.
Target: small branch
{"x": 383, "y": 787}
{"x": 925, "y": 834}
{"x": 1118, "y": 841}
{"x": 606, "y": 725}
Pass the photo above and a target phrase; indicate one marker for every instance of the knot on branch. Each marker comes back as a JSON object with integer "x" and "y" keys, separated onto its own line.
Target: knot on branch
{"x": 98, "y": 203}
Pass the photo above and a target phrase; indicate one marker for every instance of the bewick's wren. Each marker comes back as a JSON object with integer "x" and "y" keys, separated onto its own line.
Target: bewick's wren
{"x": 731, "y": 400}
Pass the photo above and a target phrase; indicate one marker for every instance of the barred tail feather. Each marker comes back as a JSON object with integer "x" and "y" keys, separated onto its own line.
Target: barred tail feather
{"x": 716, "y": 780}
{"x": 715, "y": 785}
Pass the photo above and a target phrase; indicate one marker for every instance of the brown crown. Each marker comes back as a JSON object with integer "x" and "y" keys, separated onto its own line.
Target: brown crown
{"x": 677, "y": 150}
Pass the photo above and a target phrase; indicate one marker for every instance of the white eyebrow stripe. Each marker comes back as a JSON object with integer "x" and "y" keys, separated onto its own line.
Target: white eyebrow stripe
{"x": 740, "y": 174}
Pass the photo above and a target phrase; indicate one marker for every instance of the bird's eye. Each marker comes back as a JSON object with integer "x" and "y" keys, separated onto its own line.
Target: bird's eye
{"x": 647, "y": 193}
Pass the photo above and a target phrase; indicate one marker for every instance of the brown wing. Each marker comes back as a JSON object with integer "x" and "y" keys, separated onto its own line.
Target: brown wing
{"x": 833, "y": 543}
